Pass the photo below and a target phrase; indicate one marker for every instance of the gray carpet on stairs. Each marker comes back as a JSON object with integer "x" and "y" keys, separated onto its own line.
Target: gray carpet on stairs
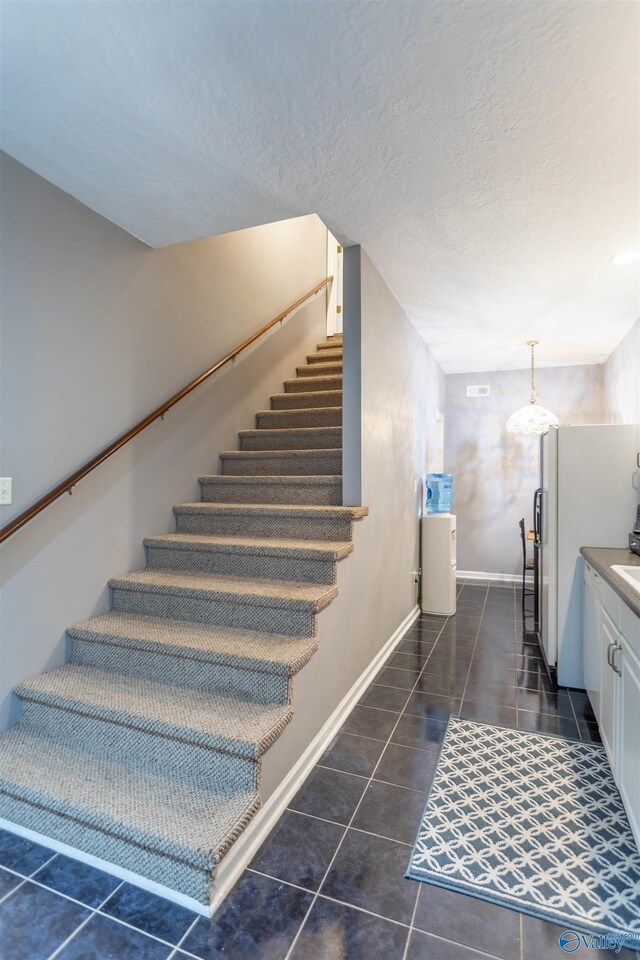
{"x": 145, "y": 750}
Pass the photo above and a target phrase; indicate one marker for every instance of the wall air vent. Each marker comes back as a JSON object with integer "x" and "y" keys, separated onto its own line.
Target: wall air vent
{"x": 478, "y": 390}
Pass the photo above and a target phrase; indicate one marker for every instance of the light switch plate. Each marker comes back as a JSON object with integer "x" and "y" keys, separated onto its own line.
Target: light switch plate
{"x": 5, "y": 490}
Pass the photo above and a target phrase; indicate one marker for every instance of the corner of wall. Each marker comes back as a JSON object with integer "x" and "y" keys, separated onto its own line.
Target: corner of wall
{"x": 352, "y": 378}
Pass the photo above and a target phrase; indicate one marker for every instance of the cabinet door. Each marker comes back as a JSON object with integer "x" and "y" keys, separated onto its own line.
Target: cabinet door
{"x": 608, "y": 687}
{"x": 628, "y": 751}
{"x": 591, "y": 641}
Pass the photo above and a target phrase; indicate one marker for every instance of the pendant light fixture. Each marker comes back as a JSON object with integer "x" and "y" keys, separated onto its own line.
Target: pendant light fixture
{"x": 532, "y": 418}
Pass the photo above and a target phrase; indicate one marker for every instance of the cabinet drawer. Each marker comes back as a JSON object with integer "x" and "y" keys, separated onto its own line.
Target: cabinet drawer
{"x": 630, "y": 628}
{"x": 608, "y": 598}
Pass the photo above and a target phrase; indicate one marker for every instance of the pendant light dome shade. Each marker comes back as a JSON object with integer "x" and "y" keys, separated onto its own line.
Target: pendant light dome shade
{"x": 532, "y": 418}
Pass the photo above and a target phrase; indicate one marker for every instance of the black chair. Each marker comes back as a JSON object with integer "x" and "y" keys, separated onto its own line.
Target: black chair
{"x": 526, "y": 565}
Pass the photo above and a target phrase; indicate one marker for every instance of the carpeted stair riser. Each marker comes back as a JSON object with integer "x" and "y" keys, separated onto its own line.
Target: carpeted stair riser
{"x": 307, "y": 400}
{"x": 323, "y": 491}
{"x": 332, "y": 369}
{"x": 310, "y": 438}
{"x": 331, "y": 343}
{"x": 207, "y": 767}
{"x": 294, "y": 623}
{"x": 313, "y": 384}
{"x": 278, "y": 526}
{"x": 325, "y": 356}
{"x": 296, "y": 419}
{"x": 242, "y": 682}
{"x": 312, "y": 463}
{"x": 168, "y": 871}
{"x": 262, "y": 566}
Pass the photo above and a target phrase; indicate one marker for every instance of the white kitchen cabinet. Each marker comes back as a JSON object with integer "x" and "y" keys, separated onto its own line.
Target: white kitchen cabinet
{"x": 609, "y": 693}
{"x": 611, "y": 648}
{"x": 628, "y": 752}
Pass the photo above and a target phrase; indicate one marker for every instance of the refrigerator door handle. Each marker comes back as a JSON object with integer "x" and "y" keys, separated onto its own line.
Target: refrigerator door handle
{"x": 537, "y": 514}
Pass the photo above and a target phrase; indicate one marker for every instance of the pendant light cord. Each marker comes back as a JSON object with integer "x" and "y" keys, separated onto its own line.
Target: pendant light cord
{"x": 534, "y": 393}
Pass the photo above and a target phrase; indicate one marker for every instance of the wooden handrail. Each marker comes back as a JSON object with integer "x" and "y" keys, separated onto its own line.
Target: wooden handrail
{"x": 160, "y": 411}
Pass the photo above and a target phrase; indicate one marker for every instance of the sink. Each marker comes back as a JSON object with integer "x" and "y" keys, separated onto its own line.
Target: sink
{"x": 630, "y": 574}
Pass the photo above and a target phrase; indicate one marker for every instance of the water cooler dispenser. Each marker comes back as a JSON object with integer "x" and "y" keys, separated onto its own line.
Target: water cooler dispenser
{"x": 438, "y": 534}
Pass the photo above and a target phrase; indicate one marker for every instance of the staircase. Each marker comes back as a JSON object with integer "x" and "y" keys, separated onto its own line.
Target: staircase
{"x": 145, "y": 749}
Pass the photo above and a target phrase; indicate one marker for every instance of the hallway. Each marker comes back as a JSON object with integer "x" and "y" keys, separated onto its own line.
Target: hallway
{"x": 329, "y": 880}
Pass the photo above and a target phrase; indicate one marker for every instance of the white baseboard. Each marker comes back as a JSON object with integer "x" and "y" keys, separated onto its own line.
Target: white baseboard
{"x": 254, "y": 835}
{"x": 260, "y": 826}
{"x": 108, "y": 867}
{"x": 497, "y": 577}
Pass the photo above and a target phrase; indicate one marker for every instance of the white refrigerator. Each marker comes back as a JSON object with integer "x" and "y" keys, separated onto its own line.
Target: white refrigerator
{"x": 589, "y": 481}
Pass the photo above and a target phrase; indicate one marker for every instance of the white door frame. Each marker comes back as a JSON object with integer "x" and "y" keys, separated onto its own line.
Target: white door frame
{"x": 334, "y": 299}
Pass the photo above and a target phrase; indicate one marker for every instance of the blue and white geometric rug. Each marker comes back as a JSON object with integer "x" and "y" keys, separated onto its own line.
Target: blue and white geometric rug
{"x": 531, "y": 822}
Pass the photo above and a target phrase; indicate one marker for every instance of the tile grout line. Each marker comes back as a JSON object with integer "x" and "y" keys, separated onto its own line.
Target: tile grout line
{"x": 13, "y": 890}
{"x": 413, "y": 917}
{"x": 24, "y": 878}
{"x": 369, "y": 833}
{"x": 337, "y": 850}
{"x": 81, "y": 926}
{"x": 65, "y": 896}
{"x": 475, "y": 644}
{"x": 122, "y": 923}
{"x": 521, "y": 931}
{"x": 325, "y": 896}
{"x": 182, "y": 940}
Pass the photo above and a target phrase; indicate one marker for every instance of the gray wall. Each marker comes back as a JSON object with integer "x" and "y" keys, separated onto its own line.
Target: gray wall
{"x": 495, "y": 472}
{"x": 622, "y": 379}
{"x": 401, "y": 388}
{"x": 98, "y": 329}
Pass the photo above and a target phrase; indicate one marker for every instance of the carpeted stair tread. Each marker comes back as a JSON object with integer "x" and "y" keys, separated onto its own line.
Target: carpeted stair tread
{"x": 182, "y": 821}
{"x": 297, "y": 489}
{"x": 302, "y": 549}
{"x": 325, "y": 356}
{"x": 277, "y": 463}
{"x": 327, "y": 369}
{"x": 278, "y": 480}
{"x": 291, "y": 438}
{"x": 210, "y": 643}
{"x": 270, "y": 593}
{"x": 331, "y": 344}
{"x": 266, "y": 520}
{"x": 273, "y": 509}
{"x": 327, "y": 382}
{"x": 307, "y": 399}
{"x": 301, "y": 417}
{"x": 240, "y": 727}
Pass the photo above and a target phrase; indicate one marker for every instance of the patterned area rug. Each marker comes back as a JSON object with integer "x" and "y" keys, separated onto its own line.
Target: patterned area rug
{"x": 531, "y": 822}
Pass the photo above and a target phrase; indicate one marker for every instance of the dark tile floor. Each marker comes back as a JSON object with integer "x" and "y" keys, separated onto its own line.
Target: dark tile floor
{"x": 328, "y": 883}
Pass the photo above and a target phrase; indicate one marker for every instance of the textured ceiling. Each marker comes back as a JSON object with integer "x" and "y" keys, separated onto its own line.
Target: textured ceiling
{"x": 485, "y": 154}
